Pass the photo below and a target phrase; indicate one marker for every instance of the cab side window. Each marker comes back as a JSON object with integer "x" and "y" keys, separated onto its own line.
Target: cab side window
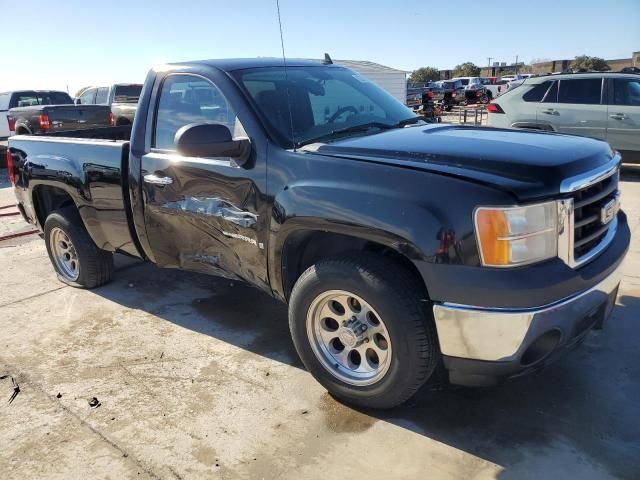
{"x": 582, "y": 91}
{"x": 552, "y": 94}
{"x": 102, "y": 96}
{"x": 626, "y": 91}
{"x": 87, "y": 97}
{"x": 185, "y": 99}
{"x": 537, "y": 93}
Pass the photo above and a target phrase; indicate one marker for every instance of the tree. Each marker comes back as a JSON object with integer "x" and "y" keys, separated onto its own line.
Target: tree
{"x": 539, "y": 60}
{"x": 424, "y": 75}
{"x": 466, "y": 69}
{"x": 590, "y": 63}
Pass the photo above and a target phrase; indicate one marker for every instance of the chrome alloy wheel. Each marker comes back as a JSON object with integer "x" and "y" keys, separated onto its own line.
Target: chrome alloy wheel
{"x": 349, "y": 338}
{"x": 64, "y": 254}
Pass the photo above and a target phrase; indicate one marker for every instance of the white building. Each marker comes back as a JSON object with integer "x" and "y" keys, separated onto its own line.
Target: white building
{"x": 392, "y": 80}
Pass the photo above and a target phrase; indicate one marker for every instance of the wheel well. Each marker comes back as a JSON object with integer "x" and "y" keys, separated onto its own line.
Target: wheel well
{"x": 22, "y": 131}
{"x": 303, "y": 249}
{"x": 46, "y": 199}
{"x": 122, "y": 122}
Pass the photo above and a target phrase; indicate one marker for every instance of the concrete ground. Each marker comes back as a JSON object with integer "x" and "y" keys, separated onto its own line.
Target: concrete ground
{"x": 196, "y": 377}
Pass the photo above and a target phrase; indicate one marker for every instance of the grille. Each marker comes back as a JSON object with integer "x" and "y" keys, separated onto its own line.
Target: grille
{"x": 589, "y": 230}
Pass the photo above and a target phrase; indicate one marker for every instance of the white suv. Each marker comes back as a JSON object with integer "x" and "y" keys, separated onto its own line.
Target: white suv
{"x": 599, "y": 105}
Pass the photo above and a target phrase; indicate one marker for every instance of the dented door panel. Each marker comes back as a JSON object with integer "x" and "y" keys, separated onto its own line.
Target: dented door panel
{"x": 209, "y": 218}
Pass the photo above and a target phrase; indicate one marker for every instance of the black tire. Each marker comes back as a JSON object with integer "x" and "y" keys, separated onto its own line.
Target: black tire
{"x": 95, "y": 264}
{"x": 401, "y": 302}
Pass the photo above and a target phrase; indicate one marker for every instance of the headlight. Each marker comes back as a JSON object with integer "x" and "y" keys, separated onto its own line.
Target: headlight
{"x": 517, "y": 235}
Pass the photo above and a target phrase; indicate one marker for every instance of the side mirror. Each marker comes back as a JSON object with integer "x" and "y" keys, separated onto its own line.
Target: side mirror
{"x": 211, "y": 140}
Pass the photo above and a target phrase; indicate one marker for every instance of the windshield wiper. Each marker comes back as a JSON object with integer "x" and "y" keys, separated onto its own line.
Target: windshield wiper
{"x": 410, "y": 121}
{"x": 363, "y": 127}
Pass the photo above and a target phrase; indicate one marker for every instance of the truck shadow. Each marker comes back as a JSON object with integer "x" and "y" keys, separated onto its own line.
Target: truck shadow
{"x": 228, "y": 310}
{"x": 582, "y": 412}
{"x": 579, "y": 418}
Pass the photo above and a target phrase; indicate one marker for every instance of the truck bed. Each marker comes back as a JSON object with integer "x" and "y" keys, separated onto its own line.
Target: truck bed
{"x": 91, "y": 171}
{"x": 60, "y": 117}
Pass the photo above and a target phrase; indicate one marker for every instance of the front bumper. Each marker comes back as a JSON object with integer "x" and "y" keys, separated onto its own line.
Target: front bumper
{"x": 481, "y": 345}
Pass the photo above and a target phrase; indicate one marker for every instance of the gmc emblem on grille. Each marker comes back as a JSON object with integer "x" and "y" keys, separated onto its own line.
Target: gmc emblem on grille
{"x": 609, "y": 210}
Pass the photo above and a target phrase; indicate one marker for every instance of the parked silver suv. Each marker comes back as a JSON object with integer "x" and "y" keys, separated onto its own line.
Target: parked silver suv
{"x": 599, "y": 105}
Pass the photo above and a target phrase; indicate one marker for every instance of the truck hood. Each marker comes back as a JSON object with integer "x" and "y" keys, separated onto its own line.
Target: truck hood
{"x": 528, "y": 164}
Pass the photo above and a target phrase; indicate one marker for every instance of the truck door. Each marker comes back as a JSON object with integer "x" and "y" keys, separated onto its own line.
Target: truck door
{"x": 575, "y": 106}
{"x": 623, "y": 128}
{"x": 202, "y": 214}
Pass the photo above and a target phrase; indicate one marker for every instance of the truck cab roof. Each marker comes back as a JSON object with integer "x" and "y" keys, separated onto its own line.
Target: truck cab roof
{"x": 232, "y": 64}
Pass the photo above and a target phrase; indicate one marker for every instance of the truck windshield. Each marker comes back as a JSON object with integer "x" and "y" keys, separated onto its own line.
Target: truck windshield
{"x": 127, "y": 93}
{"x": 326, "y": 103}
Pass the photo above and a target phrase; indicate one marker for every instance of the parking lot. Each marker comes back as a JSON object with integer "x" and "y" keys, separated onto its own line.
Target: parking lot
{"x": 196, "y": 376}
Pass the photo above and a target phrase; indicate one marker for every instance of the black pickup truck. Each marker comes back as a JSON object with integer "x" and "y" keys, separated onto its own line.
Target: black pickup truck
{"x": 449, "y": 93}
{"x": 401, "y": 247}
{"x": 43, "y": 111}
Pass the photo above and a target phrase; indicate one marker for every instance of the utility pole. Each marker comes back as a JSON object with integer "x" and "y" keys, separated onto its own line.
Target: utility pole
{"x": 516, "y": 64}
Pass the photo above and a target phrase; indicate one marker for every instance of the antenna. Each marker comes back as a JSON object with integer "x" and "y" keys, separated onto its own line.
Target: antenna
{"x": 286, "y": 78}
{"x": 327, "y": 60}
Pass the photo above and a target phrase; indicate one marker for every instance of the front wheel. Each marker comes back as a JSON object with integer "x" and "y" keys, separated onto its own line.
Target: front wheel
{"x": 75, "y": 257}
{"x": 363, "y": 329}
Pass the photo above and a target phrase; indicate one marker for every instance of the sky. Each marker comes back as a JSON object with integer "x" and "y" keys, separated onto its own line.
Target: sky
{"x": 73, "y": 43}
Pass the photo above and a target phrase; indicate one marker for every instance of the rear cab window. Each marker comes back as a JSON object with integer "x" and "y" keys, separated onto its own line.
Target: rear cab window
{"x": 32, "y": 98}
{"x": 127, "y": 93}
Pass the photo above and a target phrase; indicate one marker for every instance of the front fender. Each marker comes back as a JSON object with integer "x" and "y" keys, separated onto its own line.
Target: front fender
{"x": 407, "y": 228}
{"x": 356, "y": 210}
{"x": 424, "y": 215}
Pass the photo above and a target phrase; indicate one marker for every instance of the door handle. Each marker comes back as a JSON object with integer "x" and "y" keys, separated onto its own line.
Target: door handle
{"x": 156, "y": 180}
{"x": 550, "y": 111}
{"x": 618, "y": 116}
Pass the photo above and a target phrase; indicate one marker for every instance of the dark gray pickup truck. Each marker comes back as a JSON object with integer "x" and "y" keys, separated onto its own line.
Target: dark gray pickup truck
{"x": 37, "y": 112}
{"x": 402, "y": 248}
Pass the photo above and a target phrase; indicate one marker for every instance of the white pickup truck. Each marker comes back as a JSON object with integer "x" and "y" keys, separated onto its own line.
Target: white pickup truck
{"x": 474, "y": 83}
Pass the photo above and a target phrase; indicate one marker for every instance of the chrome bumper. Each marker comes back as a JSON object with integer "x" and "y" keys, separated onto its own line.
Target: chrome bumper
{"x": 505, "y": 334}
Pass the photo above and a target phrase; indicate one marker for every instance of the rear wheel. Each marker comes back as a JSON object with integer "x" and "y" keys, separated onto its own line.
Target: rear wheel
{"x": 362, "y": 328}
{"x": 75, "y": 257}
